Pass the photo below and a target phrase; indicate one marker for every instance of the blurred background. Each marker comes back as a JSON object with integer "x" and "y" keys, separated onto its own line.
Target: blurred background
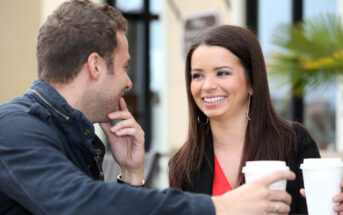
{"x": 159, "y": 34}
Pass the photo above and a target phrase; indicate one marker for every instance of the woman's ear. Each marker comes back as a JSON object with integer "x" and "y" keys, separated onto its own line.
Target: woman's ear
{"x": 94, "y": 66}
{"x": 251, "y": 91}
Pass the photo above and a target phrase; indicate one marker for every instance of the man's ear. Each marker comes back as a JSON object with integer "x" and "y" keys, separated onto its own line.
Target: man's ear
{"x": 94, "y": 65}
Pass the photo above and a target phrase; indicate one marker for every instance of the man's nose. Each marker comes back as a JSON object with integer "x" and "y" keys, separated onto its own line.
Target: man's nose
{"x": 129, "y": 84}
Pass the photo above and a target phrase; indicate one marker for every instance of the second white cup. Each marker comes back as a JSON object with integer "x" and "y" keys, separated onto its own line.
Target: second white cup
{"x": 257, "y": 169}
{"x": 322, "y": 179}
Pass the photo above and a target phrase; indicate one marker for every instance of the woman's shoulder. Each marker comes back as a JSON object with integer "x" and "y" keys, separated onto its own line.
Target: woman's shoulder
{"x": 301, "y": 132}
{"x": 299, "y": 129}
{"x": 305, "y": 142}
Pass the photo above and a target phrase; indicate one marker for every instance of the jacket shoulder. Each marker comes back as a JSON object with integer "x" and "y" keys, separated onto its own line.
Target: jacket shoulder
{"x": 22, "y": 121}
{"x": 306, "y": 145}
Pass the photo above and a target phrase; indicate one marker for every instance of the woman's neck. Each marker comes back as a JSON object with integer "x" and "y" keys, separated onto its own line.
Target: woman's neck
{"x": 229, "y": 132}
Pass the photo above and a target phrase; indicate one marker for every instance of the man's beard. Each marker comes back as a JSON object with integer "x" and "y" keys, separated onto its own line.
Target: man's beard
{"x": 101, "y": 113}
{"x": 99, "y": 106}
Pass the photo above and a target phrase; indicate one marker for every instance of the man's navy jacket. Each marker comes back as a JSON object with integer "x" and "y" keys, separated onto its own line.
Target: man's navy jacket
{"x": 50, "y": 163}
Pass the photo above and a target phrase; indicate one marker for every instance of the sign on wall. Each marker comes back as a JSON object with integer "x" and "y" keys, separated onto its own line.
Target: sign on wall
{"x": 196, "y": 24}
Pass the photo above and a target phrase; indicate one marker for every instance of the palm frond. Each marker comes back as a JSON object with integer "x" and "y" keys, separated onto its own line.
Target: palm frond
{"x": 311, "y": 52}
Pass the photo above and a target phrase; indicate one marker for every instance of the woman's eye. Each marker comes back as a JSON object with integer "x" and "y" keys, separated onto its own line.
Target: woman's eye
{"x": 223, "y": 73}
{"x": 196, "y": 75}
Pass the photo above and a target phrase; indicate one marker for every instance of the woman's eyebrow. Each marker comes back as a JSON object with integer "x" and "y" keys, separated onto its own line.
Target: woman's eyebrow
{"x": 223, "y": 67}
{"x": 196, "y": 70}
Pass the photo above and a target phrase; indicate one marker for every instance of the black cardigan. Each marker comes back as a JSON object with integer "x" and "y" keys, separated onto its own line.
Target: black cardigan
{"x": 306, "y": 148}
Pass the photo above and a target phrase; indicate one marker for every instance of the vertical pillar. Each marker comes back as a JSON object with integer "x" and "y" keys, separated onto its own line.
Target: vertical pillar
{"x": 146, "y": 99}
{"x": 297, "y": 101}
{"x": 252, "y": 15}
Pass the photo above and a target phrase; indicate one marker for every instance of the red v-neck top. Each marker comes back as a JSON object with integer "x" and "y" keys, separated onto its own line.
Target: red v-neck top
{"x": 220, "y": 184}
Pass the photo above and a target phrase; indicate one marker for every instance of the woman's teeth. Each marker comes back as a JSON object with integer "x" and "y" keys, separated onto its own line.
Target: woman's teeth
{"x": 214, "y": 99}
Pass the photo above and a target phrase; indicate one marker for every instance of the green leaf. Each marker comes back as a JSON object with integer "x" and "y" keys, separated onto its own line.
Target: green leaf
{"x": 311, "y": 52}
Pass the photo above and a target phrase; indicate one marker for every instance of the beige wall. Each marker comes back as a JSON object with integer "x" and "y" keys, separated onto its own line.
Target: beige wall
{"x": 175, "y": 83}
{"x": 19, "y": 23}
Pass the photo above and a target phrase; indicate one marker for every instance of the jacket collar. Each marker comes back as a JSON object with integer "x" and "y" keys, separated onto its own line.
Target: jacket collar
{"x": 203, "y": 180}
{"x": 73, "y": 121}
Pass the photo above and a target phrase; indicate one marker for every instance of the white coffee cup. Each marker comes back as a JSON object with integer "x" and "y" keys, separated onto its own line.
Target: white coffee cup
{"x": 257, "y": 169}
{"x": 322, "y": 179}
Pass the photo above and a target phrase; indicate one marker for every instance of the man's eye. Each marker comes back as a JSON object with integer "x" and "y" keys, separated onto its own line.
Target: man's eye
{"x": 197, "y": 75}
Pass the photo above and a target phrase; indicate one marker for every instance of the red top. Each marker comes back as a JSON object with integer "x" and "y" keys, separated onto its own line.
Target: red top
{"x": 220, "y": 184}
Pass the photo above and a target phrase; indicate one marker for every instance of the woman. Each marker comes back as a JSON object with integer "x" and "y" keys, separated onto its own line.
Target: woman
{"x": 232, "y": 119}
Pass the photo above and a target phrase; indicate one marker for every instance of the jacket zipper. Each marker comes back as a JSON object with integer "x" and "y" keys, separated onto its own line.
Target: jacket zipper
{"x": 49, "y": 104}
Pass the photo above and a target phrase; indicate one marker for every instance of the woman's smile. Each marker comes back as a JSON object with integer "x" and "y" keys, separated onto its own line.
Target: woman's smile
{"x": 210, "y": 101}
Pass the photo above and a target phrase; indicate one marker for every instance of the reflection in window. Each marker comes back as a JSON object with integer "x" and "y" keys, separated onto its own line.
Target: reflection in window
{"x": 320, "y": 104}
{"x": 129, "y": 6}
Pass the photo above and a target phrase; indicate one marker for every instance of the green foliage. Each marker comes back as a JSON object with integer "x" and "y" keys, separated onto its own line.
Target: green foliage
{"x": 311, "y": 52}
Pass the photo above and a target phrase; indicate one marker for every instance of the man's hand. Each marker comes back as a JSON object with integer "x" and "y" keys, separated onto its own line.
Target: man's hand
{"x": 256, "y": 198}
{"x": 126, "y": 139}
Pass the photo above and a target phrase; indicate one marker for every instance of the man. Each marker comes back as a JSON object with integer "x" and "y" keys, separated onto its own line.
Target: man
{"x": 50, "y": 157}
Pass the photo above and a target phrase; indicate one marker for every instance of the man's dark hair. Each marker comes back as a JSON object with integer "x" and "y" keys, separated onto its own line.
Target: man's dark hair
{"x": 75, "y": 30}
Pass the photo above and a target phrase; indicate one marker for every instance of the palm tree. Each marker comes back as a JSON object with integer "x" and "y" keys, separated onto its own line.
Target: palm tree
{"x": 311, "y": 53}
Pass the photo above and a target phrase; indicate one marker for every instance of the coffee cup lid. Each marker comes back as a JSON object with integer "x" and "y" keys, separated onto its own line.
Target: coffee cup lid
{"x": 319, "y": 163}
{"x": 264, "y": 166}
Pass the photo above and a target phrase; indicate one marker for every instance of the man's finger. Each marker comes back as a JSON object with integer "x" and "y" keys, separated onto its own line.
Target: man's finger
{"x": 276, "y": 176}
{"x": 106, "y": 127}
{"x": 122, "y": 105}
{"x": 119, "y": 115}
{"x": 126, "y": 132}
{"x": 130, "y": 123}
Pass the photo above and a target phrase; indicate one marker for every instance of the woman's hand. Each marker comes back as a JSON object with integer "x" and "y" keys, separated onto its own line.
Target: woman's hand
{"x": 338, "y": 199}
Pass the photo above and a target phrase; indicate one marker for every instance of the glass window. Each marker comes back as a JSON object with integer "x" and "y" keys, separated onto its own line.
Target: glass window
{"x": 281, "y": 12}
{"x": 130, "y": 6}
{"x": 156, "y": 6}
{"x": 156, "y": 57}
{"x": 144, "y": 61}
{"x": 320, "y": 104}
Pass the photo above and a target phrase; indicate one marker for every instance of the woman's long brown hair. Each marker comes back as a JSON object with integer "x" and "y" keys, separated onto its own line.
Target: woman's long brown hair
{"x": 268, "y": 136}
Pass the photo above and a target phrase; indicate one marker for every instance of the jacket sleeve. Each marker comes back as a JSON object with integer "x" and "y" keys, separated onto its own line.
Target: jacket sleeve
{"x": 35, "y": 173}
{"x": 306, "y": 148}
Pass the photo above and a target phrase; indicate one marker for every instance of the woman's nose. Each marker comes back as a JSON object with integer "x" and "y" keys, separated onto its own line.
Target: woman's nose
{"x": 209, "y": 84}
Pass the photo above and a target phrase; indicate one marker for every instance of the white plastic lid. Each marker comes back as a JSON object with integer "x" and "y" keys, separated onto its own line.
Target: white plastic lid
{"x": 320, "y": 163}
{"x": 264, "y": 166}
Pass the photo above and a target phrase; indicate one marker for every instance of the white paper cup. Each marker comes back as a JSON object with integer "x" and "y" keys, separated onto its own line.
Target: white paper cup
{"x": 322, "y": 179}
{"x": 257, "y": 169}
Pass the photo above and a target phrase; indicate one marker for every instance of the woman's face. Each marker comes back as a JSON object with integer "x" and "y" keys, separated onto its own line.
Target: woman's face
{"x": 218, "y": 83}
